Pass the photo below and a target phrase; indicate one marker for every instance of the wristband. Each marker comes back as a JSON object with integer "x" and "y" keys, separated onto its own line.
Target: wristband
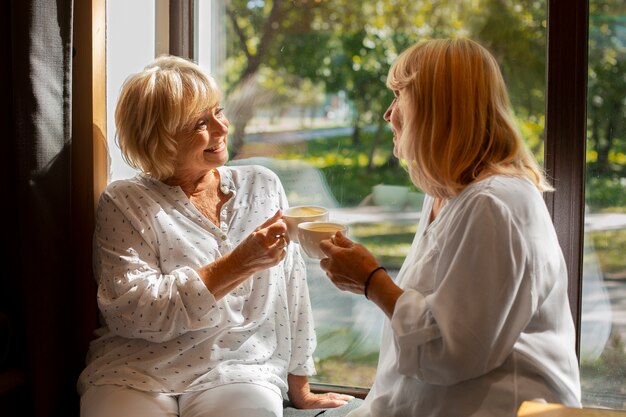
{"x": 369, "y": 278}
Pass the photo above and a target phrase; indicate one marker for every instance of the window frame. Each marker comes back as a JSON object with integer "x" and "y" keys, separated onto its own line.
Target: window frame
{"x": 566, "y": 136}
{"x": 565, "y": 128}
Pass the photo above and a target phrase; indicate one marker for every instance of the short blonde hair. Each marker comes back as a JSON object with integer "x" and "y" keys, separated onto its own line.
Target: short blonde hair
{"x": 457, "y": 119}
{"x": 157, "y": 104}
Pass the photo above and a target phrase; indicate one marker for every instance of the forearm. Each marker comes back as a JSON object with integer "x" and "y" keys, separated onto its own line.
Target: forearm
{"x": 298, "y": 389}
{"x": 224, "y": 274}
{"x": 384, "y": 292}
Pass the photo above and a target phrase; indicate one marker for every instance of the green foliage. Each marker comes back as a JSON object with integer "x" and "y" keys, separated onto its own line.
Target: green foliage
{"x": 605, "y": 193}
{"x": 606, "y": 88}
{"x": 314, "y": 47}
{"x": 344, "y": 165}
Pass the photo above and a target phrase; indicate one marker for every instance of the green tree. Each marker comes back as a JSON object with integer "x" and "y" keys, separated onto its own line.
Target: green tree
{"x": 347, "y": 46}
{"x": 258, "y": 32}
{"x": 606, "y": 90}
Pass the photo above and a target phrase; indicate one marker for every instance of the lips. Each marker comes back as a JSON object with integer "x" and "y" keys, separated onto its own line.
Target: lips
{"x": 215, "y": 148}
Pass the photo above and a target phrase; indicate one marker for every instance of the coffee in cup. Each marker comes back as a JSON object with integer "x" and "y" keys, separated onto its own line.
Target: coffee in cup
{"x": 293, "y": 216}
{"x": 310, "y": 234}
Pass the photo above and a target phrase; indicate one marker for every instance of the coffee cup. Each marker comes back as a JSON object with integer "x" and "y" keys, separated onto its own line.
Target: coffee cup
{"x": 310, "y": 234}
{"x": 293, "y": 216}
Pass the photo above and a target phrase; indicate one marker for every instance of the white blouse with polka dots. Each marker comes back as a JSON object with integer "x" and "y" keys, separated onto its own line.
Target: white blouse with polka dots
{"x": 163, "y": 330}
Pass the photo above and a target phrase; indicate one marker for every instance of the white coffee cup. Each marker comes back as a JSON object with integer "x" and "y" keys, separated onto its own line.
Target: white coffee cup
{"x": 293, "y": 216}
{"x": 310, "y": 234}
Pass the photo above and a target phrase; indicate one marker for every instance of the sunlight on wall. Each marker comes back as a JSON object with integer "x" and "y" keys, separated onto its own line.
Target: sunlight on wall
{"x": 130, "y": 45}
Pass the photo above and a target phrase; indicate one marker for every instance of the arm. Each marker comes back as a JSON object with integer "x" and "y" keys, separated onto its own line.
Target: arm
{"x": 136, "y": 299}
{"x": 262, "y": 249}
{"x": 481, "y": 299}
{"x": 476, "y": 305}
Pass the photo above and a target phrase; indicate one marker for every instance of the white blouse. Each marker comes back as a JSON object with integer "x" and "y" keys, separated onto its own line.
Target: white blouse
{"x": 164, "y": 331}
{"x": 484, "y": 322}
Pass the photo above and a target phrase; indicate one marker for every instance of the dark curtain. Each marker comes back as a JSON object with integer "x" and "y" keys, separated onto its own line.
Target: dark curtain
{"x": 40, "y": 351}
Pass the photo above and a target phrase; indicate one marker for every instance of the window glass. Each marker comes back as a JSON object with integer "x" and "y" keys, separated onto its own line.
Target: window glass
{"x": 305, "y": 94}
{"x": 130, "y": 44}
{"x": 603, "y": 330}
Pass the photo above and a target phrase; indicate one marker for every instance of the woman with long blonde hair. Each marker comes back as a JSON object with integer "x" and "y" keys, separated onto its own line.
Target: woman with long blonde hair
{"x": 478, "y": 315}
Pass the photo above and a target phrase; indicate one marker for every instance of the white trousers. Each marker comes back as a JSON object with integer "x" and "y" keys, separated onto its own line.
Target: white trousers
{"x": 232, "y": 400}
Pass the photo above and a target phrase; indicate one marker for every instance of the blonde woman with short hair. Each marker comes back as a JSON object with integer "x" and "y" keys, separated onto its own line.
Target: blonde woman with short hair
{"x": 205, "y": 304}
{"x": 478, "y": 315}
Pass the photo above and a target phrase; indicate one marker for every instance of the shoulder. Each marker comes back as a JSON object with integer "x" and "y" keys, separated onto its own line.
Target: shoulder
{"x": 251, "y": 170}
{"x": 137, "y": 191}
{"x": 502, "y": 187}
{"x": 504, "y": 197}
{"x": 128, "y": 186}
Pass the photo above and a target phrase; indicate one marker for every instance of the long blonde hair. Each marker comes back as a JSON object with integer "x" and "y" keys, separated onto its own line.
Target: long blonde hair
{"x": 157, "y": 104}
{"x": 457, "y": 121}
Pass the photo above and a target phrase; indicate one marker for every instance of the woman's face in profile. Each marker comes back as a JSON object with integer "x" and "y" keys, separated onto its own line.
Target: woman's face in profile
{"x": 393, "y": 115}
{"x": 205, "y": 147}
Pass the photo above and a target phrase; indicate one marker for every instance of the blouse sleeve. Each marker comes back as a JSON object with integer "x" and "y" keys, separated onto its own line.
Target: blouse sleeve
{"x": 483, "y": 299}
{"x": 135, "y": 298}
{"x": 303, "y": 339}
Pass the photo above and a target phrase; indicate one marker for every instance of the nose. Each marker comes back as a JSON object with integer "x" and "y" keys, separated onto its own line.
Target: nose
{"x": 219, "y": 125}
{"x": 387, "y": 115}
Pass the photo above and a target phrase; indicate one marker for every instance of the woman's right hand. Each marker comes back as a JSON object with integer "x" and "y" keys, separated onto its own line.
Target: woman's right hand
{"x": 264, "y": 247}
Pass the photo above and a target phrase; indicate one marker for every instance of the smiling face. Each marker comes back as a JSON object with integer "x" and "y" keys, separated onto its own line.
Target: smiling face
{"x": 204, "y": 146}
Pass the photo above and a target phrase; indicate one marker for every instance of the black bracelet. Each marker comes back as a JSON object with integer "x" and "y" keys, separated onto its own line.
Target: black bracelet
{"x": 369, "y": 278}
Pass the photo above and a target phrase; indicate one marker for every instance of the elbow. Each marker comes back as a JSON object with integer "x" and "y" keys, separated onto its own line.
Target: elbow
{"x": 434, "y": 366}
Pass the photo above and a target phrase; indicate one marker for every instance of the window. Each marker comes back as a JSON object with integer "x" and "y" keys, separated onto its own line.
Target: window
{"x": 305, "y": 95}
{"x": 603, "y": 330}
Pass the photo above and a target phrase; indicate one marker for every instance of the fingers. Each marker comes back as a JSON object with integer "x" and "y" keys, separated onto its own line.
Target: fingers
{"x": 277, "y": 216}
{"x": 282, "y": 241}
{"x": 337, "y": 396}
{"x": 332, "y": 400}
{"x": 328, "y": 246}
{"x": 342, "y": 240}
{"x": 325, "y": 263}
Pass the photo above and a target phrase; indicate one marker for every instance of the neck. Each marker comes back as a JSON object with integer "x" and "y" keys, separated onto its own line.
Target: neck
{"x": 437, "y": 206}
{"x": 194, "y": 185}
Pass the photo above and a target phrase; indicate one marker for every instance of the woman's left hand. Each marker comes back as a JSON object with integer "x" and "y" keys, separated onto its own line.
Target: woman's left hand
{"x": 301, "y": 396}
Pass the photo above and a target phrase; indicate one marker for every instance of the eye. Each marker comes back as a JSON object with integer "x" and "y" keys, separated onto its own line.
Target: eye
{"x": 218, "y": 111}
{"x": 201, "y": 123}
